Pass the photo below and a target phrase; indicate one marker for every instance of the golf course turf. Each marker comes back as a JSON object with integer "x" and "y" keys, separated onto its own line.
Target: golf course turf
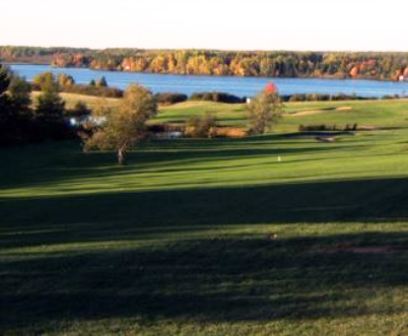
{"x": 266, "y": 235}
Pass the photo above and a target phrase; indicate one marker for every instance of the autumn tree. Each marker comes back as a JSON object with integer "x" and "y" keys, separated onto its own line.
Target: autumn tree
{"x": 264, "y": 110}
{"x": 126, "y": 125}
{"x": 46, "y": 80}
{"x": 65, "y": 80}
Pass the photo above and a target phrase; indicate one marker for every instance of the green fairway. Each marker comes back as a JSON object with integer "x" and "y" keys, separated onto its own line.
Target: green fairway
{"x": 382, "y": 113}
{"x": 268, "y": 235}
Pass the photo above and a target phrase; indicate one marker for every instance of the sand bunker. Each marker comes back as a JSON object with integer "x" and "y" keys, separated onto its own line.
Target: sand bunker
{"x": 344, "y": 108}
{"x": 313, "y": 112}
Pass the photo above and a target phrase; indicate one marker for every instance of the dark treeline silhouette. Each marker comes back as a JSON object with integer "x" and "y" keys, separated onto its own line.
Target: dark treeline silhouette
{"x": 20, "y": 121}
{"x": 370, "y": 65}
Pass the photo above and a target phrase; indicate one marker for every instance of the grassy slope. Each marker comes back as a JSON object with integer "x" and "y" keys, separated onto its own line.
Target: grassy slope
{"x": 180, "y": 242}
{"x": 72, "y": 98}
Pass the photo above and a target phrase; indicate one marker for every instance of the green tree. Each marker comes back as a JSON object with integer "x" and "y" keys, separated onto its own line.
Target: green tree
{"x": 126, "y": 126}
{"x": 50, "y": 106}
{"x": 15, "y": 111}
{"x": 20, "y": 96}
{"x": 264, "y": 110}
{"x": 5, "y": 79}
{"x": 102, "y": 82}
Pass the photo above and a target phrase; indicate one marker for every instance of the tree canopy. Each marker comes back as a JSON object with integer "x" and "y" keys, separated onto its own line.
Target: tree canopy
{"x": 125, "y": 126}
{"x": 264, "y": 110}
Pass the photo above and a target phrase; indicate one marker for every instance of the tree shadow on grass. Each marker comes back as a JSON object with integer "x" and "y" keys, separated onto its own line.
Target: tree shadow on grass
{"x": 202, "y": 277}
{"x": 115, "y": 216}
{"x": 216, "y": 280}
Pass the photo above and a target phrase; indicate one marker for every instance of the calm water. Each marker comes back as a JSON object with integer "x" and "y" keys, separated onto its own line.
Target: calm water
{"x": 235, "y": 85}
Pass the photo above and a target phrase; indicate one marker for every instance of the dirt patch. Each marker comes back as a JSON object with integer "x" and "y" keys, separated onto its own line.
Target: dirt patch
{"x": 367, "y": 128}
{"x": 230, "y": 132}
{"x": 385, "y": 249}
{"x": 344, "y": 108}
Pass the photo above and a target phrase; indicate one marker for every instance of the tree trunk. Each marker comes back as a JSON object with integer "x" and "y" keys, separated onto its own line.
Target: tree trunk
{"x": 121, "y": 156}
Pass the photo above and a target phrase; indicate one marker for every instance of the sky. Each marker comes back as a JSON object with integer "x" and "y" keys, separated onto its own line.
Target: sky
{"x": 348, "y": 25}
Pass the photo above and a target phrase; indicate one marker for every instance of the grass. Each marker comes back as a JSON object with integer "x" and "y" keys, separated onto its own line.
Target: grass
{"x": 384, "y": 113}
{"x": 72, "y": 98}
{"x": 212, "y": 237}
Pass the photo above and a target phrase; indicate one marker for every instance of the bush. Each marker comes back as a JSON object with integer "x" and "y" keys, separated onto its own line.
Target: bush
{"x": 218, "y": 97}
{"x": 295, "y": 98}
{"x": 201, "y": 127}
{"x": 395, "y": 96}
{"x": 169, "y": 98}
{"x": 298, "y": 97}
{"x": 324, "y": 127}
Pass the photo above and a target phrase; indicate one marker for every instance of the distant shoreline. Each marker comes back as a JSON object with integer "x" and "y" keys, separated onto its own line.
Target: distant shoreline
{"x": 198, "y": 75}
{"x": 294, "y": 88}
{"x": 381, "y": 66}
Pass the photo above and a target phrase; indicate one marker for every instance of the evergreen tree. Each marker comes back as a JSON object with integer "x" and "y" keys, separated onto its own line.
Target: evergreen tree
{"x": 50, "y": 106}
{"x": 102, "y": 82}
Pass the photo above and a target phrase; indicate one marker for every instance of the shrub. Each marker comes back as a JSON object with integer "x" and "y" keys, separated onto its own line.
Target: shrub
{"x": 169, "y": 98}
{"x": 298, "y": 97}
{"x": 324, "y": 127}
{"x": 218, "y": 97}
{"x": 201, "y": 127}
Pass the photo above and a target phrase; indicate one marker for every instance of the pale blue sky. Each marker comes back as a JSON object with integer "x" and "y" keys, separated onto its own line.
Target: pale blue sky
{"x": 219, "y": 24}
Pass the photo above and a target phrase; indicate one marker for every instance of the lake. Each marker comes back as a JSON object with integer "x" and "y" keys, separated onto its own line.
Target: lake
{"x": 240, "y": 86}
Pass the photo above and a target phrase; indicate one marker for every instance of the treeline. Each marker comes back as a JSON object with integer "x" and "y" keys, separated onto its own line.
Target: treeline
{"x": 368, "y": 65}
{"x": 36, "y": 55}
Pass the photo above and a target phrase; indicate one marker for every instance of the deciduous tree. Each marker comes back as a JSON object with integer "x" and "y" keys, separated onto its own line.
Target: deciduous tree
{"x": 264, "y": 110}
{"x": 125, "y": 126}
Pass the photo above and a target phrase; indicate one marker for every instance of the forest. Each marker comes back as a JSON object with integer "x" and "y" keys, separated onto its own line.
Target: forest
{"x": 284, "y": 64}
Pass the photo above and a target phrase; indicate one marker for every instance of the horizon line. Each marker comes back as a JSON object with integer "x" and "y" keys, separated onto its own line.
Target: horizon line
{"x": 205, "y": 49}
